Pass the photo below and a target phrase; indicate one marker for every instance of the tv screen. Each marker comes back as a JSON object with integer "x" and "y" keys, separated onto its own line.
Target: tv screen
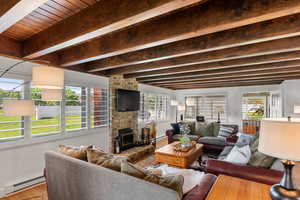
{"x": 128, "y": 100}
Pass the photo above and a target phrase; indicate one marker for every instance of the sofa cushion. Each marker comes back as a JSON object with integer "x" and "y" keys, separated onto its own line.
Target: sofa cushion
{"x": 254, "y": 143}
{"x": 202, "y": 189}
{"x": 75, "y": 152}
{"x": 203, "y": 129}
{"x": 192, "y": 137}
{"x": 215, "y": 128}
{"x": 105, "y": 160}
{"x": 225, "y": 152}
{"x": 172, "y": 182}
{"x": 239, "y": 155}
{"x": 175, "y": 127}
{"x": 259, "y": 159}
{"x": 244, "y": 139}
{"x": 219, "y": 141}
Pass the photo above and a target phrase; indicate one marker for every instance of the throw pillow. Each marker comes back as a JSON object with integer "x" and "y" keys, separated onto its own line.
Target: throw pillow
{"x": 254, "y": 144}
{"x": 175, "y": 127}
{"x": 75, "y": 152}
{"x": 105, "y": 160}
{"x": 172, "y": 182}
{"x": 203, "y": 129}
{"x": 225, "y": 152}
{"x": 215, "y": 126}
{"x": 239, "y": 155}
{"x": 225, "y": 131}
{"x": 184, "y": 128}
{"x": 259, "y": 159}
{"x": 244, "y": 139}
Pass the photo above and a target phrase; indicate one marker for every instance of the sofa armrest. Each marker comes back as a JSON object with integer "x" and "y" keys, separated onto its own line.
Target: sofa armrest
{"x": 262, "y": 175}
{"x": 170, "y": 134}
{"x": 231, "y": 140}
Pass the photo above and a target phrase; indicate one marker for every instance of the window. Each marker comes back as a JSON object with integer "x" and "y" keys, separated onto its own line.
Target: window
{"x": 10, "y": 127}
{"x": 255, "y": 106}
{"x": 47, "y": 115}
{"x": 98, "y": 107}
{"x": 153, "y": 107}
{"x": 75, "y": 108}
{"x": 211, "y": 107}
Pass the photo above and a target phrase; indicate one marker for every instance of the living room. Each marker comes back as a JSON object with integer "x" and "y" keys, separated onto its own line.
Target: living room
{"x": 191, "y": 96}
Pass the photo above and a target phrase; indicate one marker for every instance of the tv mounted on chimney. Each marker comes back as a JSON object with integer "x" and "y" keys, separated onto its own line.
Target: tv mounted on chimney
{"x": 128, "y": 100}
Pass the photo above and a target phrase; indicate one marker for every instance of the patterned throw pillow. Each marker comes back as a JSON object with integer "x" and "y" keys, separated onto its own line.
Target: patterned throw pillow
{"x": 259, "y": 159}
{"x": 184, "y": 128}
{"x": 106, "y": 160}
{"x": 239, "y": 155}
{"x": 174, "y": 182}
{"x": 225, "y": 131}
{"x": 75, "y": 152}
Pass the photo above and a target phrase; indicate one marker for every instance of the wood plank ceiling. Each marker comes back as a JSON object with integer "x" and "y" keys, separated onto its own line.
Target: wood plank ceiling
{"x": 175, "y": 44}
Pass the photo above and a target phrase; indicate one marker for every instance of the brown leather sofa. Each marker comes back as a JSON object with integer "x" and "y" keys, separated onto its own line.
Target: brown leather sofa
{"x": 261, "y": 175}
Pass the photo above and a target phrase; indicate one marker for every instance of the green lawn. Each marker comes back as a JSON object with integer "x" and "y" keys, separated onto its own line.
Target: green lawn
{"x": 53, "y": 125}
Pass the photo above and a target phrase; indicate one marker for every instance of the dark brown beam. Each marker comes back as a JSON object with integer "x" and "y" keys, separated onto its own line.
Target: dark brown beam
{"x": 224, "y": 80}
{"x": 260, "y": 49}
{"x": 210, "y": 17}
{"x": 99, "y": 19}
{"x": 240, "y": 75}
{"x": 264, "y": 31}
{"x": 221, "y": 64}
{"x": 263, "y": 68}
{"x": 226, "y": 85}
{"x": 11, "y": 11}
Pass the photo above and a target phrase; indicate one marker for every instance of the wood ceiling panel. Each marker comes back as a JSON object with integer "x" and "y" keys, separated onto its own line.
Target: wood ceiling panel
{"x": 45, "y": 16}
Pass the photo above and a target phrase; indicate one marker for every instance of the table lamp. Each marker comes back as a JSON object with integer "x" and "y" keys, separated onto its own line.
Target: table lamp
{"x": 280, "y": 138}
{"x": 182, "y": 109}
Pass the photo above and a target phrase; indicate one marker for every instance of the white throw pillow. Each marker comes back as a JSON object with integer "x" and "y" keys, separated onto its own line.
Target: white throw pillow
{"x": 238, "y": 155}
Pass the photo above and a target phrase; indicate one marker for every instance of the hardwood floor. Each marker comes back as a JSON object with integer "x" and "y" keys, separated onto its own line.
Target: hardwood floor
{"x": 39, "y": 192}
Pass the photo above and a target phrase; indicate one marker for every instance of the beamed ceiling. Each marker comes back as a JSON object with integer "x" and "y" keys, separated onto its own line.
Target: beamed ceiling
{"x": 175, "y": 44}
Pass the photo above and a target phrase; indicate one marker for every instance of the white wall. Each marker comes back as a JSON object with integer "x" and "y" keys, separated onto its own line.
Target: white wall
{"x": 290, "y": 91}
{"x": 234, "y": 98}
{"x": 161, "y": 126}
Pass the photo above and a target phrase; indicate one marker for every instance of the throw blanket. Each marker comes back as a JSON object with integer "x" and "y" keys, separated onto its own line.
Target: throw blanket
{"x": 191, "y": 177}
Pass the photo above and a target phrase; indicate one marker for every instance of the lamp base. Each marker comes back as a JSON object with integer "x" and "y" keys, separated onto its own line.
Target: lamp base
{"x": 278, "y": 192}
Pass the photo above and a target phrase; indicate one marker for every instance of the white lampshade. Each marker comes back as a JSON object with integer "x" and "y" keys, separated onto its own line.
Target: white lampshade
{"x": 51, "y": 94}
{"x": 47, "y": 77}
{"x": 297, "y": 109}
{"x": 18, "y": 107}
{"x": 280, "y": 138}
{"x": 174, "y": 103}
{"x": 181, "y": 108}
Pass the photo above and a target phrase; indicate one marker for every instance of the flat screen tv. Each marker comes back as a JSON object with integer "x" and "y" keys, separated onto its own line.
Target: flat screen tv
{"x": 128, "y": 100}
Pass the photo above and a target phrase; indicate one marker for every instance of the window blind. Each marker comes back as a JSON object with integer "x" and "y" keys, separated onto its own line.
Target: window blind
{"x": 98, "y": 107}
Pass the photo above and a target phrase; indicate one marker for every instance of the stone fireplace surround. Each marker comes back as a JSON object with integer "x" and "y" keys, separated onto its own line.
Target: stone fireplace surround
{"x": 120, "y": 120}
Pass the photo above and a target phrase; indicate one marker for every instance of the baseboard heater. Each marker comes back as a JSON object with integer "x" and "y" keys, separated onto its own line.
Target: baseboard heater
{"x": 25, "y": 184}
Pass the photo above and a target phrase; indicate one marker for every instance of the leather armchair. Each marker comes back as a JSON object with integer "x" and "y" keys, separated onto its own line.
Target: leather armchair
{"x": 262, "y": 175}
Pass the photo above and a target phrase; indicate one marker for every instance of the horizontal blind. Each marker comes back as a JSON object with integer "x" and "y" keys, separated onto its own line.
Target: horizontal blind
{"x": 207, "y": 106}
{"x": 75, "y": 108}
{"x": 11, "y": 127}
{"x": 46, "y": 119}
{"x": 98, "y": 107}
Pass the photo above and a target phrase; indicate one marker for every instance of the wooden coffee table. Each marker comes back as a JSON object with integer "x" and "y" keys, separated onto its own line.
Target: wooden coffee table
{"x": 227, "y": 187}
{"x": 167, "y": 155}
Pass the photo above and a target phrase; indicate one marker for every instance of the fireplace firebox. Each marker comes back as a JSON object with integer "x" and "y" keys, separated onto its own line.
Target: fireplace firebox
{"x": 126, "y": 139}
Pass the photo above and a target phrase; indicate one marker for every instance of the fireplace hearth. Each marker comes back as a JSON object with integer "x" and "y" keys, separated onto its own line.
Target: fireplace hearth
{"x": 126, "y": 139}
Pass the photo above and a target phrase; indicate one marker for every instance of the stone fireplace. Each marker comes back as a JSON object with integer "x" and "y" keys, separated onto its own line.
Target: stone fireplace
{"x": 121, "y": 120}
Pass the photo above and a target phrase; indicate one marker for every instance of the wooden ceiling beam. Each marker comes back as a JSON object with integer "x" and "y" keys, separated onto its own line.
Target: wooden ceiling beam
{"x": 12, "y": 11}
{"x": 223, "y": 64}
{"x": 99, "y": 19}
{"x": 261, "y": 49}
{"x": 196, "y": 86}
{"x": 253, "y": 78}
{"x": 207, "y": 18}
{"x": 273, "y": 67}
{"x": 159, "y": 57}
